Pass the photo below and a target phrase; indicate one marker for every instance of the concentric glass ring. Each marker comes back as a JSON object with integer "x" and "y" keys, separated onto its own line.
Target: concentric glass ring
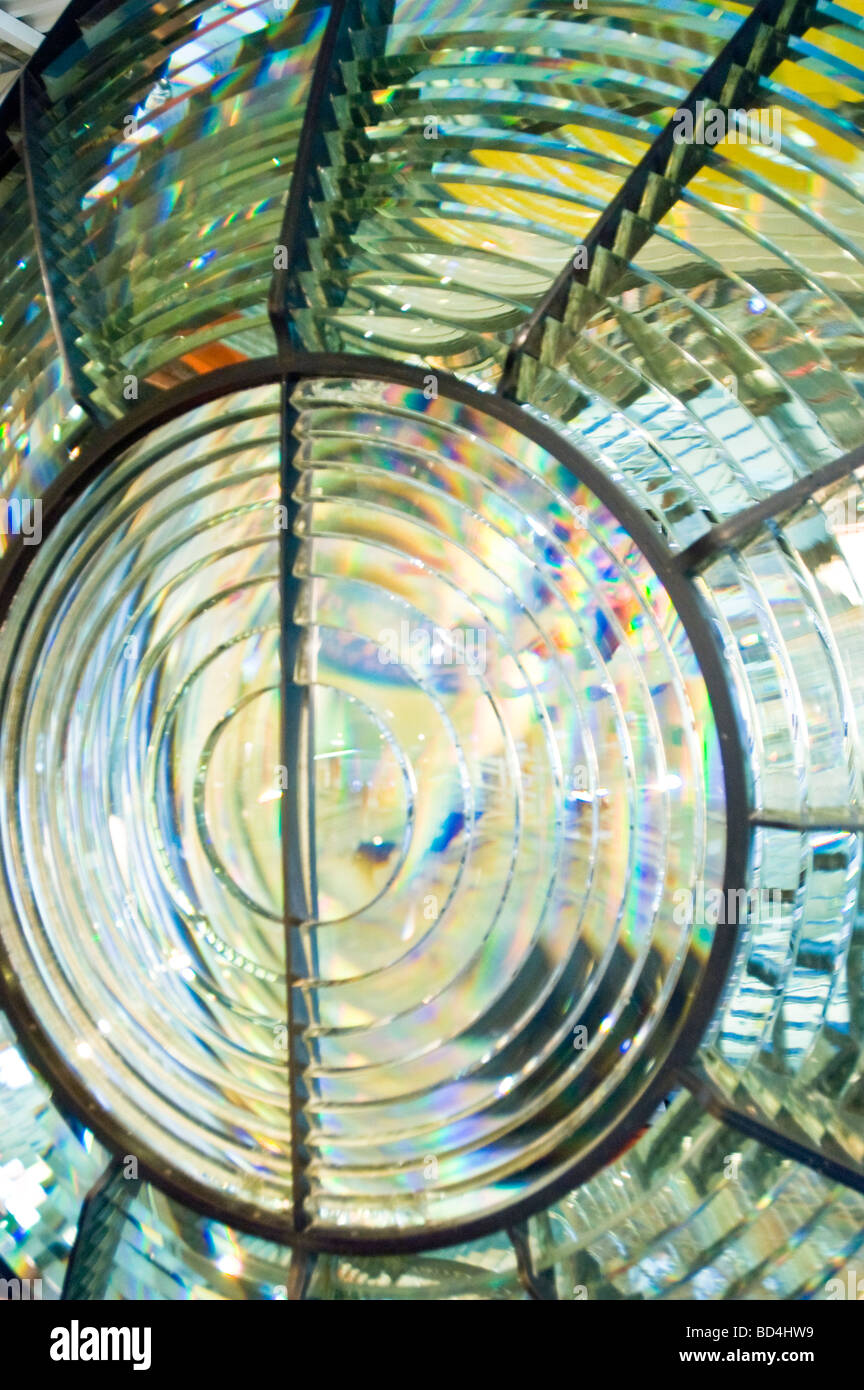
{"x": 512, "y": 768}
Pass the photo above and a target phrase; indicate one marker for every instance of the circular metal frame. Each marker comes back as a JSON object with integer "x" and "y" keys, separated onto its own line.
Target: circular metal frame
{"x": 72, "y": 1096}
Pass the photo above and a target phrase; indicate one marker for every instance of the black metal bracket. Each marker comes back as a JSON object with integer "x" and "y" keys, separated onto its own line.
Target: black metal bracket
{"x": 301, "y": 1270}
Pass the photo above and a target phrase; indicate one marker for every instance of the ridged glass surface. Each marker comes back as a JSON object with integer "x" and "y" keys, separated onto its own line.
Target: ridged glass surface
{"x": 46, "y": 1170}
{"x": 173, "y": 984}
{"x": 37, "y": 414}
{"x": 474, "y": 146}
{"x": 166, "y": 183}
{"x": 691, "y": 1212}
{"x": 541, "y": 701}
{"x": 515, "y": 766}
{"x": 391, "y": 940}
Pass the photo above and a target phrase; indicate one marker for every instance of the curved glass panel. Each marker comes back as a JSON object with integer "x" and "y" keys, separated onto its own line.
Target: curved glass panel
{"x": 381, "y": 804}
{"x": 516, "y": 771}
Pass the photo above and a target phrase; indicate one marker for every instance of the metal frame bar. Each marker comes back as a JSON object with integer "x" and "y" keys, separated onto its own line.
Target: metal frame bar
{"x": 297, "y": 821}
{"x": 738, "y": 530}
{"x": 98, "y": 455}
{"x": 539, "y": 1286}
{"x": 296, "y": 221}
{"x": 100, "y": 1226}
{"x": 300, "y": 1274}
{"x": 824, "y": 819}
{"x": 752, "y": 1127}
{"x": 298, "y": 224}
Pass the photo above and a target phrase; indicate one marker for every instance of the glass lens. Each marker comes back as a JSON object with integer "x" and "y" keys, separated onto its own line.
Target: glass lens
{"x": 516, "y": 776}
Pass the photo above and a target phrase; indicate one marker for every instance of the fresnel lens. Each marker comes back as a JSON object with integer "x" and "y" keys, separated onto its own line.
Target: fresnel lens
{"x": 432, "y": 665}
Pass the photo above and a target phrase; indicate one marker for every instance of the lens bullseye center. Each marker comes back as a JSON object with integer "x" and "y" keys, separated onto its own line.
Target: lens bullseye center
{"x": 362, "y": 799}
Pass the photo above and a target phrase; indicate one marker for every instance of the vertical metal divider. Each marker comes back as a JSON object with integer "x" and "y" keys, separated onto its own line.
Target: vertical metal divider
{"x": 100, "y": 1226}
{"x": 297, "y": 807}
{"x": 297, "y": 220}
{"x": 298, "y": 223}
{"x": 300, "y": 1274}
{"x": 297, "y": 820}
